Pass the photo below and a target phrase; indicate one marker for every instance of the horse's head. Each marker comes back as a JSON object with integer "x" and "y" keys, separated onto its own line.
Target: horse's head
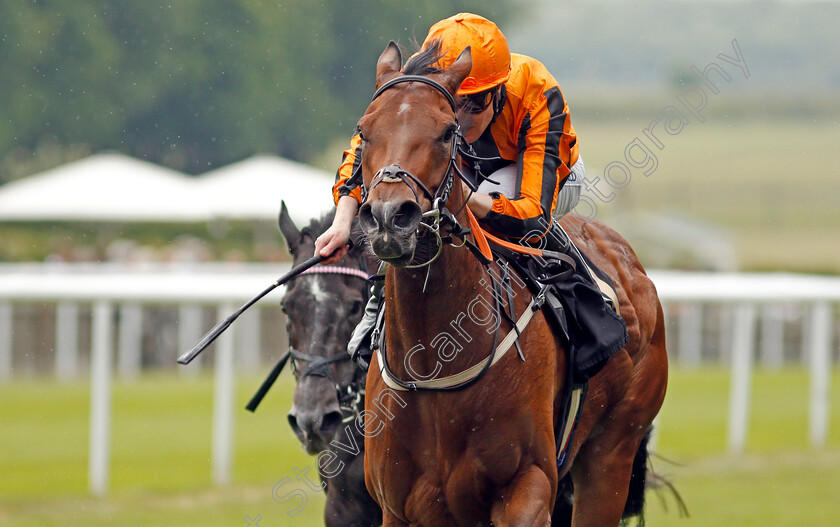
{"x": 321, "y": 309}
{"x": 409, "y": 139}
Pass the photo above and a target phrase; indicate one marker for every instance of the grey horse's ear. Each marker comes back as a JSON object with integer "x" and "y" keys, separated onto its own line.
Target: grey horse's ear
{"x": 288, "y": 229}
{"x": 454, "y": 75}
{"x": 389, "y": 64}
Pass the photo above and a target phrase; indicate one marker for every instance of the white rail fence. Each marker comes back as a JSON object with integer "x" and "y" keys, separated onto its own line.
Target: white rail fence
{"x": 742, "y": 300}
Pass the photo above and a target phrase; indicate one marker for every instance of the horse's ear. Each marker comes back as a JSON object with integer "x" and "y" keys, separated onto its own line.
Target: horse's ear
{"x": 455, "y": 74}
{"x": 288, "y": 228}
{"x": 389, "y": 63}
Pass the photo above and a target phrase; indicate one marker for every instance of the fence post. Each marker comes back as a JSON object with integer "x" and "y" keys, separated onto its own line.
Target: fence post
{"x": 820, "y": 362}
{"x": 5, "y": 341}
{"x": 739, "y": 399}
{"x": 100, "y": 398}
{"x": 67, "y": 340}
{"x": 223, "y": 402}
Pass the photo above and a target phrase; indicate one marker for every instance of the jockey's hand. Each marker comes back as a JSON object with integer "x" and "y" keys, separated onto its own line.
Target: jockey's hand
{"x": 479, "y": 203}
{"x": 334, "y": 240}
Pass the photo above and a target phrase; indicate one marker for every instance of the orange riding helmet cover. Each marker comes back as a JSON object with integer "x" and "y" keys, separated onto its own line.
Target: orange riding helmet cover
{"x": 488, "y": 47}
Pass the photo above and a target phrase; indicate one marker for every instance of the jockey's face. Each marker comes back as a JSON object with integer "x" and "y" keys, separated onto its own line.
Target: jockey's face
{"x": 473, "y": 123}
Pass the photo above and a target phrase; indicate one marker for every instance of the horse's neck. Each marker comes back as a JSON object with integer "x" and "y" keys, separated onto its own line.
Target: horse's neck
{"x": 446, "y": 318}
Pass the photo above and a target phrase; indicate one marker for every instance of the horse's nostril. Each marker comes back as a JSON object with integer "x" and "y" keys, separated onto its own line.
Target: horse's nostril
{"x": 294, "y": 424}
{"x": 407, "y": 216}
{"x": 366, "y": 220}
{"x": 330, "y": 423}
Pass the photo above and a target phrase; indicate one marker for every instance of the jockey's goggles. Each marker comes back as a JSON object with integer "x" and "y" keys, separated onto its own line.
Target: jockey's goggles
{"x": 475, "y": 102}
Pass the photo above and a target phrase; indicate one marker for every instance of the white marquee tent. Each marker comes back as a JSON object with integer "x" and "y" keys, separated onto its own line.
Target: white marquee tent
{"x": 254, "y": 188}
{"x": 103, "y": 187}
{"x": 115, "y": 187}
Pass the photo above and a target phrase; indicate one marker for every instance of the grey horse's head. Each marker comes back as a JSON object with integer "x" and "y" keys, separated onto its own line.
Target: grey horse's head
{"x": 322, "y": 309}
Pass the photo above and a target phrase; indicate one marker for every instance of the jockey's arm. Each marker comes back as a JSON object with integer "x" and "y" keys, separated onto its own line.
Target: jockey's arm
{"x": 548, "y": 148}
{"x": 334, "y": 240}
{"x": 347, "y": 196}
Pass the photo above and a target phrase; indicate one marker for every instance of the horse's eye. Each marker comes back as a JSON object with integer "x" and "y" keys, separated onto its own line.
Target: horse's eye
{"x": 362, "y": 136}
{"x": 447, "y": 135}
{"x": 356, "y": 307}
{"x": 283, "y": 308}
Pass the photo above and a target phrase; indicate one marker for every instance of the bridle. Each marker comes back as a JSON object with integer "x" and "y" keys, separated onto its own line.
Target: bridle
{"x": 351, "y": 396}
{"x": 432, "y": 219}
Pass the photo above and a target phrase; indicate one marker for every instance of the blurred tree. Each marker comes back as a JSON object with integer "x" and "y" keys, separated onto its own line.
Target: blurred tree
{"x": 54, "y": 56}
{"x": 196, "y": 84}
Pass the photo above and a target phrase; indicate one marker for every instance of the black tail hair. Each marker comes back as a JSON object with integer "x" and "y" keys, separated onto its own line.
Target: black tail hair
{"x": 635, "y": 505}
{"x": 645, "y": 477}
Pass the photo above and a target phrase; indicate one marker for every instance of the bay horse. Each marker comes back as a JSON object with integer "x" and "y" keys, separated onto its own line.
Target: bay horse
{"x": 322, "y": 307}
{"x": 484, "y": 451}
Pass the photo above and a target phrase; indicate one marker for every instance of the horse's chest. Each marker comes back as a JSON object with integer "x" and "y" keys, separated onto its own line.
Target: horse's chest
{"x": 460, "y": 463}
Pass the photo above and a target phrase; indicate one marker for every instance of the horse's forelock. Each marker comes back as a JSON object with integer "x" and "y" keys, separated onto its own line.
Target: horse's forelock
{"x": 317, "y": 225}
{"x": 424, "y": 62}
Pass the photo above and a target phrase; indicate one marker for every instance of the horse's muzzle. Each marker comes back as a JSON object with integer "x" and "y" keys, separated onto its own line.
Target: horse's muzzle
{"x": 391, "y": 229}
{"x": 314, "y": 428}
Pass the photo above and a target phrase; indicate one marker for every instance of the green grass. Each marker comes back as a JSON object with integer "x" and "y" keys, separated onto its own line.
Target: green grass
{"x": 779, "y": 481}
{"x": 781, "y": 489}
{"x": 161, "y": 449}
{"x": 768, "y": 183}
{"x": 692, "y": 422}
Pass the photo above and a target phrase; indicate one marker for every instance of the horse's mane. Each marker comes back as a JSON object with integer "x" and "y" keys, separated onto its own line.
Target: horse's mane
{"x": 318, "y": 225}
{"x": 423, "y": 62}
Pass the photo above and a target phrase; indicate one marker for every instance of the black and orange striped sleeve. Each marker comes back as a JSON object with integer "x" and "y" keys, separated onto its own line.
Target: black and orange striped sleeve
{"x": 348, "y": 177}
{"x": 547, "y": 148}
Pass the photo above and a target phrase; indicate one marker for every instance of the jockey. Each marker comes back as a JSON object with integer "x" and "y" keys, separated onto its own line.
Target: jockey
{"x": 510, "y": 109}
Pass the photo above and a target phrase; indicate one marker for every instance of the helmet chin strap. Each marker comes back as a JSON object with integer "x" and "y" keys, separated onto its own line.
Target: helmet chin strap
{"x": 499, "y": 99}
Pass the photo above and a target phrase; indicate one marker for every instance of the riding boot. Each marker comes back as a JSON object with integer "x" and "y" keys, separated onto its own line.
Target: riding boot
{"x": 596, "y": 330}
{"x": 360, "y": 346}
{"x": 558, "y": 241}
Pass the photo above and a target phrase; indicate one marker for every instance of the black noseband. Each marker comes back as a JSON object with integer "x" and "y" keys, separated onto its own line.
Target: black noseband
{"x": 395, "y": 174}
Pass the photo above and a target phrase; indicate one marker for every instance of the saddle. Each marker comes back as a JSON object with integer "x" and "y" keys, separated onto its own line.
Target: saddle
{"x": 580, "y": 303}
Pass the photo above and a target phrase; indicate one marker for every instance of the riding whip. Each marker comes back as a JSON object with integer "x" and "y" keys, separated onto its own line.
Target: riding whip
{"x": 211, "y": 335}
